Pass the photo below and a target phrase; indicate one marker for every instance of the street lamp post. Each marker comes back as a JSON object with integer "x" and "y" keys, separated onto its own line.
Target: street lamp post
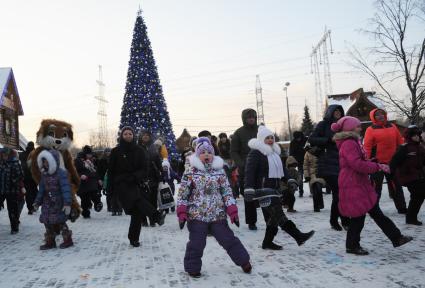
{"x": 287, "y": 109}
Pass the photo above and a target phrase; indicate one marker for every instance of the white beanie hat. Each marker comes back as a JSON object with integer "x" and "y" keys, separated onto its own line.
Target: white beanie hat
{"x": 263, "y": 132}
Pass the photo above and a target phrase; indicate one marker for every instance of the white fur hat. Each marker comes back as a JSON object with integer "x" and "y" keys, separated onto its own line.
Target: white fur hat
{"x": 263, "y": 132}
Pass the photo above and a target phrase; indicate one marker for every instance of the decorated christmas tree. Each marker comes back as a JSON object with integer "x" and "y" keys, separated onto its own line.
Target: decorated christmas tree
{"x": 307, "y": 125}
{"x": 144, "y": 106}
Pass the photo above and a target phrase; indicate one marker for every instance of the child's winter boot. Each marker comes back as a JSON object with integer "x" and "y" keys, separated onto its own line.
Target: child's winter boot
{"x": 67, "y": 239}
{"x": 247, "y": 268}
{"x": 50, "y": 242}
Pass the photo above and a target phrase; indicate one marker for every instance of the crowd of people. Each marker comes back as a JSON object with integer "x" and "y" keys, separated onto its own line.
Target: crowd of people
{"x": 214, "y": 172}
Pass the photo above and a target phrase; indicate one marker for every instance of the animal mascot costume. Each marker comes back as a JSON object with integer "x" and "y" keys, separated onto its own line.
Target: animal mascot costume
{"x": 58, "y": 135}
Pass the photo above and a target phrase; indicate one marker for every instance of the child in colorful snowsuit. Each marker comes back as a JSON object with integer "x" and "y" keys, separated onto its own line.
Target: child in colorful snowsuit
{"x": 203, "y": 200}
{"x": 54, "y": 197}
{"x": 310, "y": 174}
{"x": 357, "y": 197}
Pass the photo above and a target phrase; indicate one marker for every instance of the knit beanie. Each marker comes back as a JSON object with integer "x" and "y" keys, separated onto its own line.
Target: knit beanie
{"x": 346, "y": 123}
{"x": 203, "y": 144}
{"x": 263, "y": 132}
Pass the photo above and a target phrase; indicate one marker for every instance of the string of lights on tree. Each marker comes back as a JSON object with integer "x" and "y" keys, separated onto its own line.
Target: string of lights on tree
{"x": 144, "y": 107}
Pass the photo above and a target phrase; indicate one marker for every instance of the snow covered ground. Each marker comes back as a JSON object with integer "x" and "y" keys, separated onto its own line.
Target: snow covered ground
{"x": 102, "y": 256}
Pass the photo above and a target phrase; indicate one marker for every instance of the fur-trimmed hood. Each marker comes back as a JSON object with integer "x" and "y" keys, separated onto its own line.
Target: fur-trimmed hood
{"x": 52, "y": 158}
{"x": 217, "y": 163}
{"x": 345, "y": 135}
{"x": 265, "y": 149}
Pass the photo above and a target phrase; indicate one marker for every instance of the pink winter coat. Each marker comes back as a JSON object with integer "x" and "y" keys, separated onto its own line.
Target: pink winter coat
{"x": 356, "y": 193}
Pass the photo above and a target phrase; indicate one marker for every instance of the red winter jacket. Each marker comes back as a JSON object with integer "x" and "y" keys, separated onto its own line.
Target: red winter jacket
{"x": 382, "y": 139}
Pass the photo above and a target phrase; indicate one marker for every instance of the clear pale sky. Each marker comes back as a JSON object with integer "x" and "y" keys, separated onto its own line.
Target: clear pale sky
{"x": 207, "y": 53}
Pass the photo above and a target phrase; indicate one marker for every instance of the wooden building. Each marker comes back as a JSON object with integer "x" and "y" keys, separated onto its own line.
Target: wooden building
{"x": 10, "y": 109}
{"x": 359, "y": 104}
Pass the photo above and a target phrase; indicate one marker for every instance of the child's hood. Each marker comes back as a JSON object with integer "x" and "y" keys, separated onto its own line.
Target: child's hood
{"x": 217, "y": 163}
{"x": 52, "y": 157}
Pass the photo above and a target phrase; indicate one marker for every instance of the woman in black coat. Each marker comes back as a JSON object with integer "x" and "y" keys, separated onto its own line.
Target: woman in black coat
{"x": 264, "y": 169}
{"x": 328, "y": 162}
{"x": 126, "y": 173}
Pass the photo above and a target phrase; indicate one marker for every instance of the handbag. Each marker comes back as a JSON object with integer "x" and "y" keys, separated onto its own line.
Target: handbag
{"x": 165, "y": 196}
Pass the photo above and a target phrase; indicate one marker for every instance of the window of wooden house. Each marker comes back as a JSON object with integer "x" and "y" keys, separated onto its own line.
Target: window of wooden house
{"x": 8, "y": 126}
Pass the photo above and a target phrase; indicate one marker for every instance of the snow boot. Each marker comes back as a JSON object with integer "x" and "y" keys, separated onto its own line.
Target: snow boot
{"x": 268, "y": 239}
{"x": 86, "y": 214}
{"x": 252, "y": 227}
{"x": 402, "y": 240}
{"x": 290, "y": 228}
{"x": 195, "y": 274}
{"x": 67, "y": 239}
{"x": 247, "y": 268}
{"x": 50, "y": 242}
{"x": 360, "y": 251}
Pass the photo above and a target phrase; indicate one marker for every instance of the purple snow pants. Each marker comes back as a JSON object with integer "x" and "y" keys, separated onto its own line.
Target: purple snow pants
{"x": 198, "y": 239}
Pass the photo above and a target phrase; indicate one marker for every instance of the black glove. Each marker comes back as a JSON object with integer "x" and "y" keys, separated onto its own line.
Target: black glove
{"x": 307, "y": 179}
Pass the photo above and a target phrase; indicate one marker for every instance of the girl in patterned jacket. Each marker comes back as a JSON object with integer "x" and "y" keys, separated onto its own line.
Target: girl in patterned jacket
{"x": 203, "y": 200}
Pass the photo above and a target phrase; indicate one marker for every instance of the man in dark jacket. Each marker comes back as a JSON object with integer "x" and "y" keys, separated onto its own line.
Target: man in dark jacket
{"x": 328, "y": 162}
{"x": 89, "y": 190}
{"x": 239, "y": 151}
{"x": 296, "y": 150}
{"x": 29, "y": 183}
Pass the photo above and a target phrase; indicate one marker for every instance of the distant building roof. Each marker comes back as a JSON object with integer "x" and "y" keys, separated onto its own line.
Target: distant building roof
{"x": 6, "y": 76}
{"x": 348, "y": 100}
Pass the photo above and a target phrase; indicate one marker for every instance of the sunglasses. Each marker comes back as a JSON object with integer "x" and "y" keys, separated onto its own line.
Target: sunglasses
{"x": 269, "y": 137}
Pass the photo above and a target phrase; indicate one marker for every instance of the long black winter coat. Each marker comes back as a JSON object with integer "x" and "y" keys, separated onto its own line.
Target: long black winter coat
{"x": 92, "y": 182}
{"x": 257, "y": 172}
{"x": 328, "y": 162}
{"x": 239, "y": 145}
{"x": 126, "y": 173}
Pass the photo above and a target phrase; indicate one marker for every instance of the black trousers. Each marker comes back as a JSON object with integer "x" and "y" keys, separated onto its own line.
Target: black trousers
{"x": 250, "y": 207}
{"x": 395, "y": 189}
{"x": 332, "y": 181}
{"x": 317, "y": 195}
{"x": 87, "y": 198}
{"x": 140, "y": 210}
{"x": 356, "y": 226}
{"x": 32, "y": 191}
{"x": 12, "y": 209}
{"x": 417, "y": 196}
{"x": 115, "y": 203}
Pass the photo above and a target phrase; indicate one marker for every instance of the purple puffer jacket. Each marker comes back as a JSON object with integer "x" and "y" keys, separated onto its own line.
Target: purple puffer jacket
{"x": 356, "y": 193}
